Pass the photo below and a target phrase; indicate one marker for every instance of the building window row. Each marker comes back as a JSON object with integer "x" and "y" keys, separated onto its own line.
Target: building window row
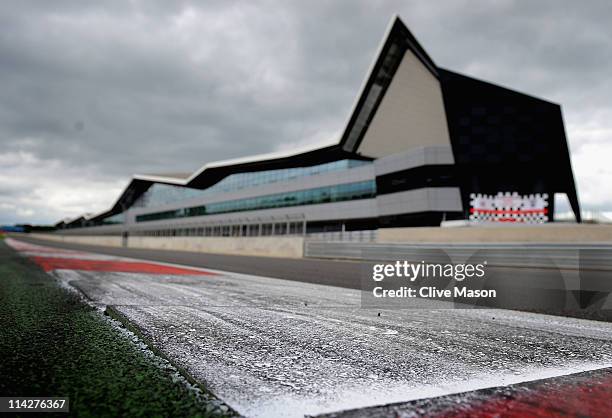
{"x": 160, "y": 194}
{"x": 236, "y": 230}
{"x": 328, "y": 194}
{"x": 113, "y": 220}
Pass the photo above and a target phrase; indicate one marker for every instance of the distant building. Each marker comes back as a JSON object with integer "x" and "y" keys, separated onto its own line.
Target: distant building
{"x": 422, "y": 145}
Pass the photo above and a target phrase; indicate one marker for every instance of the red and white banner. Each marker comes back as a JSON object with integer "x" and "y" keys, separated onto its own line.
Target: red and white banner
{"x": 509, "y": 207}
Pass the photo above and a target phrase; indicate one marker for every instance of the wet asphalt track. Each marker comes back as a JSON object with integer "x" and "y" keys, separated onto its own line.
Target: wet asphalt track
{"x": 274, "y": 347}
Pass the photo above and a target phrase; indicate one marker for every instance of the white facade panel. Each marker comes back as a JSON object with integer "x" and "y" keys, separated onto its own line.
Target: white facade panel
{"x": 436, "y": 199}
{"x": 416, "y": 157}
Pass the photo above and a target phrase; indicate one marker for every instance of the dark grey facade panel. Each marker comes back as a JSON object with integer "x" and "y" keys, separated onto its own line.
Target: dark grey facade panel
{"x": 503, "y": 140}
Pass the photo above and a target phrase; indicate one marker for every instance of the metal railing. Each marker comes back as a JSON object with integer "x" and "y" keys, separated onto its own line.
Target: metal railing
{"x": 571, "y": 256}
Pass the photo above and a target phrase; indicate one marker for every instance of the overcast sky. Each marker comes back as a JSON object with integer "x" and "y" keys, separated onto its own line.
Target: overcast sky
{"x": 92, "y": 94}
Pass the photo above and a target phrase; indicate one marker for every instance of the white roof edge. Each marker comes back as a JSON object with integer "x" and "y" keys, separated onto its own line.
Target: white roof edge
{"x": 160, "y": 179}
{"x": 145, "y": 177}
{"x": 260, "y": 157}
{"x": 72, "y": 219}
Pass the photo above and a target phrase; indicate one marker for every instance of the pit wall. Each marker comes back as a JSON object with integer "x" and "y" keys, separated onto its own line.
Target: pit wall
{"x": 285, "y": 247}
{"x": 293, "y": 247}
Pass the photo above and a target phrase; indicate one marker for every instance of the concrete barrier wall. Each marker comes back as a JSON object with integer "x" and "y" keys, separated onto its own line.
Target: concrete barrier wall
{"x": 293, "y": 247}
{"x": 286, "y": 247}
{"x": 106, "y": 240}
{"x": 548, "y": 233}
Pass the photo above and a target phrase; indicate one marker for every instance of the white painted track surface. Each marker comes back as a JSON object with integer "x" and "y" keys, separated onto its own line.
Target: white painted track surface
{"x": 275, "y": 348}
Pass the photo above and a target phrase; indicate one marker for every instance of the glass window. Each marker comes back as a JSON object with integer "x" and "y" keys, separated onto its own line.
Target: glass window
{"x": 112, "y": 220}
{"x": 328, "y": 194}
{"x": 295, "y": 228}
{"x": 160, "y": 194}
{"x": 266, "y": 229}
{"x": 253, "y": 230}
{"x": 280, "y": 228}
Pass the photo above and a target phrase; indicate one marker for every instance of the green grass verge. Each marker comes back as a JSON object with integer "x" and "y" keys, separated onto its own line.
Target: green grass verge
{"x": 53, "y": 344}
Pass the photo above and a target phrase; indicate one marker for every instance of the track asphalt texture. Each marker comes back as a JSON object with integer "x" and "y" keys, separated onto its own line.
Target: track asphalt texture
{"x": 272, "y": 347}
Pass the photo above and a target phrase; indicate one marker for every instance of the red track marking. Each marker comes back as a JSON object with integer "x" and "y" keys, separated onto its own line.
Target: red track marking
{"x": 52, "y": 263}
{"x": 586, "y": 398}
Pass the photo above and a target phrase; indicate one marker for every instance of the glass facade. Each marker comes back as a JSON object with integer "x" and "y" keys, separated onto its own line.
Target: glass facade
{"x": 112, "y": 220}
{"x": 328, "y": 194}
{"x": 160, "y": 194}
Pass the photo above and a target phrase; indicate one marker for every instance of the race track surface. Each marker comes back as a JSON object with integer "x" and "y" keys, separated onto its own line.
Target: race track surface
{"x": 281, "y": 348}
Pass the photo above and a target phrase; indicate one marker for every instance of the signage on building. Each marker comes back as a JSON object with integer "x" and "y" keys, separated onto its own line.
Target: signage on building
{"x": 509, "y": 207}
